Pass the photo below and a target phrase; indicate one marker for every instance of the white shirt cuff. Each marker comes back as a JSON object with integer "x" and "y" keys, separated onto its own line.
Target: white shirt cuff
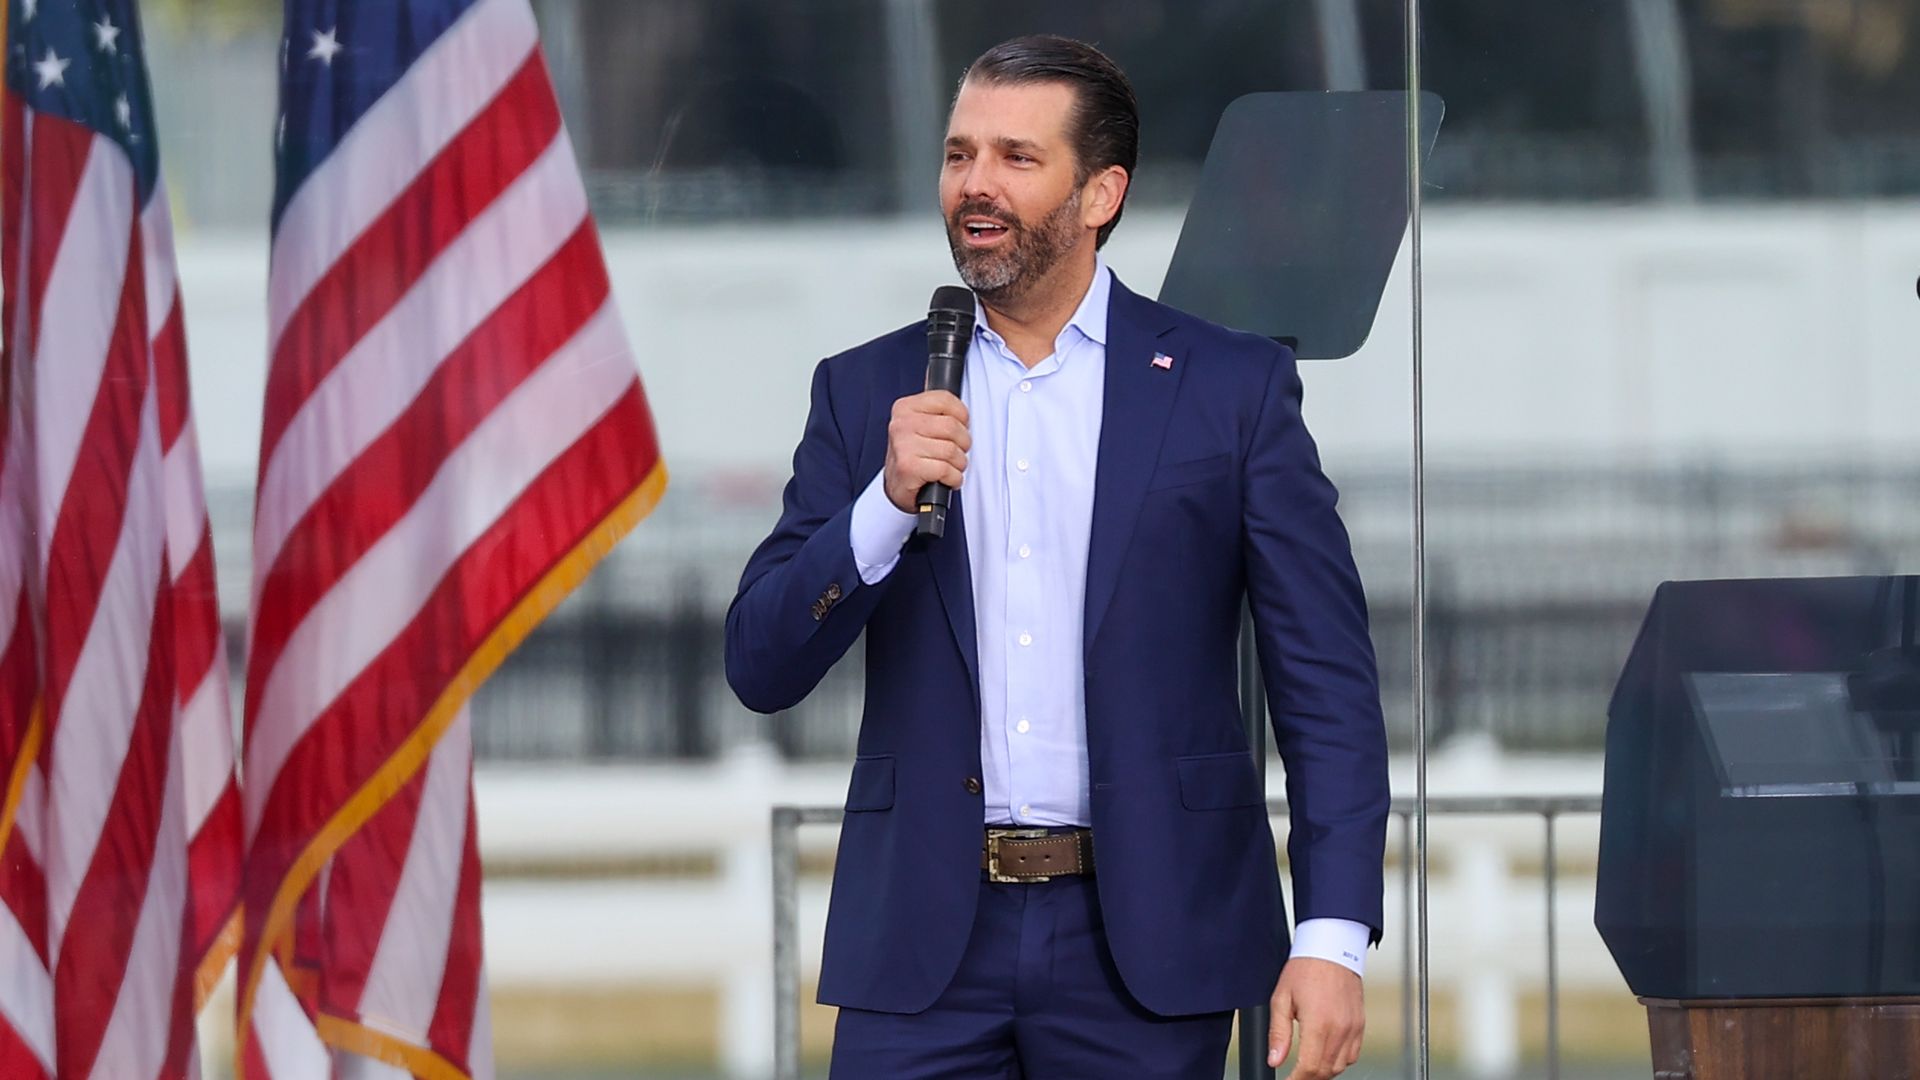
{"x": 1342, "y": 941}
{"x": 877, "y": 531}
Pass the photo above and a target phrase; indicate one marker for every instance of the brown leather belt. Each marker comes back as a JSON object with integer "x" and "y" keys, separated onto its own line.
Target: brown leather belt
{"x": 1031, "y": 855}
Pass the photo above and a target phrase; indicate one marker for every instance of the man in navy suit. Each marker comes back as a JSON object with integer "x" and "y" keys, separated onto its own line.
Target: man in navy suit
{"x": 1056, "y": 860}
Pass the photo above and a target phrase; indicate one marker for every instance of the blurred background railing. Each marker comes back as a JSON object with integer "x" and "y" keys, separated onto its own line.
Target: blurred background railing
{"x": 1539, "y": 577}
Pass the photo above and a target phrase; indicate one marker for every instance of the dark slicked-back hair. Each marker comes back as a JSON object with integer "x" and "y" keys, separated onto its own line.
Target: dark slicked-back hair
{"x": 1105, "y": 126}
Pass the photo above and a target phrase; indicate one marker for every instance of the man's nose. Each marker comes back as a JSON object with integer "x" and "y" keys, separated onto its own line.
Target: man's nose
{"x": 980, "y": 182}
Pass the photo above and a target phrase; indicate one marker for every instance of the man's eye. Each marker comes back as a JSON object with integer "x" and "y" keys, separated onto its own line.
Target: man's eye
{"x": 954, "y": 156}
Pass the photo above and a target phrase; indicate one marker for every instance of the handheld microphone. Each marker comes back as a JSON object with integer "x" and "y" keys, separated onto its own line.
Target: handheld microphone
{"x": 949, "y": 333}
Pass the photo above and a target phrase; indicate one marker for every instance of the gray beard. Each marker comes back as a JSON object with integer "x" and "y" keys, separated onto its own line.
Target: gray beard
{"x": 1031, "y": 256}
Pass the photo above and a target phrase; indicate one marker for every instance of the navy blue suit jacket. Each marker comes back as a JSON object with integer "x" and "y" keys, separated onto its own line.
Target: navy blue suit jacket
{"x": 1208, "y": 491}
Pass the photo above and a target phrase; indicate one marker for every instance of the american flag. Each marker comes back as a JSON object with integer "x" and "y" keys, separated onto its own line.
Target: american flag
{"x": 119, "y": 841}
{"x": 454, "y": 433}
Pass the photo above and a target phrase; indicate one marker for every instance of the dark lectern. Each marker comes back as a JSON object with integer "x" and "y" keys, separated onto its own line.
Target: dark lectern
{"x": 1760, "y": 840}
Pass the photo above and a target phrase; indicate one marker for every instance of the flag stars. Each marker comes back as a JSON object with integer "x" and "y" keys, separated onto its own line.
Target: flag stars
{"x": 52, "y": 70}
{"x": 31, "y": 7}
{"x": 326, "y": 45}
{"x": 123, "y": 111}
{"x": 106, "y": 36}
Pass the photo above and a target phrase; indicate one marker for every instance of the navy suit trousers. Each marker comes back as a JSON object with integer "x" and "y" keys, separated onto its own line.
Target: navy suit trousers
{"x": 1037, "y": 997}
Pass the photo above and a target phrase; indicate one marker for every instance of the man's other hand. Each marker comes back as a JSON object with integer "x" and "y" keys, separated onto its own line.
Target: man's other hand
{"x": 1328, "y": 1003}
{"x": 927, "y": 442}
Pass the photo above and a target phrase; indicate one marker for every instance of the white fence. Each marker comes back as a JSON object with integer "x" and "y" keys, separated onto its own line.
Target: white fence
{"x": 1487, "y": 899}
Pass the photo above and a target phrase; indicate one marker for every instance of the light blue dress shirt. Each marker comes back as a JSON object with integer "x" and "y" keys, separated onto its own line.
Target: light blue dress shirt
{"x": 1028, "y": 508}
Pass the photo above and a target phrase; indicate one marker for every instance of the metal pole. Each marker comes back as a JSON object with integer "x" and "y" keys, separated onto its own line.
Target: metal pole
{"x": 1553, "y": 964}
{"x": 786, "y": 943}
{"x": 915, "y": 85}
{"x": 1342, "y": 54}
{"x": 1253, "y": 712}
{"x": 1657, "y": 36}
{"x": 1406, "y": 944}
{"x": 1421, "y": 1059}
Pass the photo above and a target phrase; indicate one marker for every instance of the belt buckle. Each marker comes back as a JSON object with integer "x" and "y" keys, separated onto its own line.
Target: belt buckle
{"x": 994, "y": 836}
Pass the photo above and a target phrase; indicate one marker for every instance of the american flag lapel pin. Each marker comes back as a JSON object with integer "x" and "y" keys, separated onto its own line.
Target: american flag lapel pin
{"x": 1163, "y": 361}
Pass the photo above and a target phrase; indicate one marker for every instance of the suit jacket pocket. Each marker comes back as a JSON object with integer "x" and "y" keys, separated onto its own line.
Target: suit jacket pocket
{"x": 872, "y": 784}
{"x": 1219, "y": 781}
{"x": 1198, "y": 471}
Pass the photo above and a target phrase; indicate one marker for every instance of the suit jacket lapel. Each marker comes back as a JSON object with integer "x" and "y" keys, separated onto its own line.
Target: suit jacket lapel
{"x": 947, "y": 556}
{"x": 1137, "y": 403}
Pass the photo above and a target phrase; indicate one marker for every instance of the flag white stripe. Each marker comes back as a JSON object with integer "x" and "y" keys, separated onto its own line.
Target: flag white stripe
{"x": 26, "y": 990}
{"x": 206, "y": 744}
{"x": 376, "y": 599}
{"x": 76, "y": 322}
{"x": 287, "y": 1040}
{"x": 186, "y": 502}
{"x": 29, "y": 821}
{"x": 384, "y": 372}
{"x": 403, "y": 983}
{"x": 156, "y": 245}
{"x": 90, "y": 743}
{"x": 134, "y": 1043}
{"x": 385, "y": 150}
{"x": 480, "y": 1045}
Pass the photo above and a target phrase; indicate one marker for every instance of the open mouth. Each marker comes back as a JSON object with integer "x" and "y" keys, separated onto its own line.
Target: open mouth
{"x": 982, "y": 232}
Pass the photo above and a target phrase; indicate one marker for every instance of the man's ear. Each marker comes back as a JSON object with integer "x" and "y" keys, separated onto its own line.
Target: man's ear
{"x": 1101, "y": 197}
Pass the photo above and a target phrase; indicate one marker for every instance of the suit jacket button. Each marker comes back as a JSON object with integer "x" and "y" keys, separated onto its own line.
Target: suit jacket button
{"x": 833, "y": 591}
{"x": 973, "y": 785}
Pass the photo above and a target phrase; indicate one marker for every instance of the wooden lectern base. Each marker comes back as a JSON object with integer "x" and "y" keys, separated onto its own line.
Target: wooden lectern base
{"x": 1785, "y": 1038}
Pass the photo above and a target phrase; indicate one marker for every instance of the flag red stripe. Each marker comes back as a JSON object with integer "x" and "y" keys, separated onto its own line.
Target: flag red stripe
{"x": 253, "y": 1062}
{"x": 213, "y": 869}
{"x": 380, "y": 709}
{"x": 361, "y": 882}
{"x": 56, "y": 158}
{"x": 385, "y": 262}
{"x": 12, "y": 185}
{"x": 23, "y": 887}
{"x": 93, "y": 955}
{"x": 19, "y": 674}
{"x": 16, "y": 1061}
{"x": 180, "y": 1029}
{"x": 170, "y": 374}
{"x": 196, "y": 617}
{"x": 376, "y": 491}
{"x": 87, "y": 529}
{"x": 460, "y": 985}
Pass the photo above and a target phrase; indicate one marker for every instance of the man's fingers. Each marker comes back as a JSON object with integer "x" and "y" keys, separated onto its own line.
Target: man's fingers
{"x": 1314, "y": 1063}
{"x": 1280, "y": 1030}
{"x": 935, "y": 403}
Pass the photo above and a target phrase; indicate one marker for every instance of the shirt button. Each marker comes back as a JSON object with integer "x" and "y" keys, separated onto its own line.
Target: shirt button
{"x": 973, "y": 785}
{"x": 1021, "y": 464}
{"x": 1026, "y": 811}
{"x": 1026, "y": 639}
{"x": 1026, "y": 386}
{"x": 1025, "y": 551}
{"x": 1023, "y": 727}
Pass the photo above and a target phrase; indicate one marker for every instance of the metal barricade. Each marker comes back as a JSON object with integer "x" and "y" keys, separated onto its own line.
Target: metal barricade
{"x": 787, "y": 821}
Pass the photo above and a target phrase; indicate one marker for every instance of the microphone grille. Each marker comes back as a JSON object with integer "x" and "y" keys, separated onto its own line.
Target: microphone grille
{"x": 955, "y": 298}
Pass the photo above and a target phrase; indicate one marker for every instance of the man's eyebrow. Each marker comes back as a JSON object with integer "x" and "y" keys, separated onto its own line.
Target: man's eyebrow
{"x": 1005, "y": 142}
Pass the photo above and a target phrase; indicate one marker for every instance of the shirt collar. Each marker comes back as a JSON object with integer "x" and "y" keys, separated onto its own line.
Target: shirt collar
{"x": 1090, "y": 318}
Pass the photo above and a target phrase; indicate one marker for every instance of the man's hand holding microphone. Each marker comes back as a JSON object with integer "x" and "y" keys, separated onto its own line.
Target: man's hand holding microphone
{"x": 927, "y": 443}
